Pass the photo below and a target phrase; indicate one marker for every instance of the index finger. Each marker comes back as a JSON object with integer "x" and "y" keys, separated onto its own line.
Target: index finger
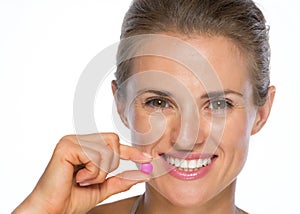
{"x": 133, "y": 154}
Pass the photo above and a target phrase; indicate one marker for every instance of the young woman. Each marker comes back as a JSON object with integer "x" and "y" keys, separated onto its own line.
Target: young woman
{"x": 208, "y": 105}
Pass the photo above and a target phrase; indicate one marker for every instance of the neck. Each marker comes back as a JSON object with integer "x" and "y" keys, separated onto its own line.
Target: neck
{"x": 154, "y": 202}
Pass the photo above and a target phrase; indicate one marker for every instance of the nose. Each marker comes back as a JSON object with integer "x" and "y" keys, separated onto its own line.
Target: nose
{"x": 193, "y": 129}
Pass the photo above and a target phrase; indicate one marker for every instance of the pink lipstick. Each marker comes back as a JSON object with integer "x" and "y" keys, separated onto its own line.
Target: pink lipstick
{"x": 188, "y": 166}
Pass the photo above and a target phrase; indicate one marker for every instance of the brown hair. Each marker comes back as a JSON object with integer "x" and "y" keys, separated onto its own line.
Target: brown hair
{"x": 239, "y": 20}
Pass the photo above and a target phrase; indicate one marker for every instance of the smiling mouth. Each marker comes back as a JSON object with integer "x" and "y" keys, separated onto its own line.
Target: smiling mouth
{"x": 187, "y": 163}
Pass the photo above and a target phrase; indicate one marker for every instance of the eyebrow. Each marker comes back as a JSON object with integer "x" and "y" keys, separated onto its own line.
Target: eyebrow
{"x": 160, "y": 93}
{"x": 215, "y": 94}
{"x": 212, "y": 94}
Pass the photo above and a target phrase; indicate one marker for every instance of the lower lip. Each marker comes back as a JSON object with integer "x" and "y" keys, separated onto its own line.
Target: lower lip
{"x": 188, "y": 175}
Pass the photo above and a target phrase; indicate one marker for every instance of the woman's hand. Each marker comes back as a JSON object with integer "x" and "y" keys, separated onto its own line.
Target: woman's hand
{"x": 75, "y": 179}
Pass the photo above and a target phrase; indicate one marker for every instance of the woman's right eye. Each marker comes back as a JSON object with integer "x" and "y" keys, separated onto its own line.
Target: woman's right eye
{"x": 158, "y": 103}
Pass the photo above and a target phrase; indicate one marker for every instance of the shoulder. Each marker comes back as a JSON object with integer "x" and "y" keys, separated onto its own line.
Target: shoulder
{"x": 121, "y": 207}
{"x": 243, "y": 212}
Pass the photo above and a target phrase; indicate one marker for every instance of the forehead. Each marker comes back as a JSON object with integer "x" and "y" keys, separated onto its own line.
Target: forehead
{"x": 217, "y": 57}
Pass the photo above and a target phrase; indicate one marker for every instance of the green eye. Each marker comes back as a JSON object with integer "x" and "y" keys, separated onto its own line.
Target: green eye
{"x": 158, "y": 103}
{"x": 221, "y": 104}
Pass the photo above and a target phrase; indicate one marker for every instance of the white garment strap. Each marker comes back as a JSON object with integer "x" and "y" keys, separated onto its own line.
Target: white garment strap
{"x": 136, "y": 204}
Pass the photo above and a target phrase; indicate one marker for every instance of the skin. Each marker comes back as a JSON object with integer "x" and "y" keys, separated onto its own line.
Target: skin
{"x": 242, "y": 120}
{"x": 196, "y": 196}
{"x": 201, "y": 194}
{"x": 80, "y": 193}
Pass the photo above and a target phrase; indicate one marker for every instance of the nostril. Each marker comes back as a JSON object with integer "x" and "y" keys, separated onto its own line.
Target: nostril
{"x": 184, "y": 146}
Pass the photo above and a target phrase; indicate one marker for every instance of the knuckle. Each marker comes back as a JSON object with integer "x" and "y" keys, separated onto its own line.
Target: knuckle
{"x": 112, "y": 137}
{"x": 68, "y": 138}
{"x": 101, "y": 176}
{"x": 62, "y": 146}
{"x": 65, "y": 143}
{"x": 101, "y": 179}
{"x": 122, "y": 183}
{"x": 94, "y": 171}
{"x": 114, "y": 165}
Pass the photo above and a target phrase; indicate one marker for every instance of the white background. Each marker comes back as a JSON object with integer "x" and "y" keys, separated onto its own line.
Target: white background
{"x": 44, "y": 47}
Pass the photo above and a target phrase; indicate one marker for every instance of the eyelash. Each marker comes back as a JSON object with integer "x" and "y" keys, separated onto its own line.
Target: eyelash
{"x": 150, "y": 102}
{"x": 225, "y": 105}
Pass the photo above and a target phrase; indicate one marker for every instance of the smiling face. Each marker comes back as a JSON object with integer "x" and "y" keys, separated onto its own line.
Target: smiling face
{"x": 190, "y": 171}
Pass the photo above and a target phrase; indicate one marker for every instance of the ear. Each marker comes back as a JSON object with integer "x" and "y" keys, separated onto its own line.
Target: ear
{"x": 119, "y": 103}
{"x": 263, "y": 111}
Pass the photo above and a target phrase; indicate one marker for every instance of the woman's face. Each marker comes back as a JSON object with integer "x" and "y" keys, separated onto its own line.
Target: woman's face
{"x": 192, "y": 175}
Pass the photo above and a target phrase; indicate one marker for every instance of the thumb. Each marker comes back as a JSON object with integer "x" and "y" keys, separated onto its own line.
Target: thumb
{"x": 122, "y": 182}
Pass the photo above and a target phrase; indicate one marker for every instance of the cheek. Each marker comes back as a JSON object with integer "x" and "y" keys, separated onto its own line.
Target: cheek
{"x": 234, "y": 144}
{"x": 139, "y": 122}
{"x": 237, "y": 132}
{"x": 148, "y": 128}
{"x": 155, "y": 129}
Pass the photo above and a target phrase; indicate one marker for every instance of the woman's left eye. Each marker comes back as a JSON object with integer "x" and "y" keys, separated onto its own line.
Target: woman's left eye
{"x": 219, "y": 104}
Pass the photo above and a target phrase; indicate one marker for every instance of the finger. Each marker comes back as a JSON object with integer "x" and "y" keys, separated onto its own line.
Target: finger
{"x": 88, "y": 173}
{"x": 60, "y": 170}
{"x": 97, "y": 168}
{"x": 122, "y": 182}
{"x": 93, "y": 176}
{"x": 107, "y": 144}
{"x": 133, "y": 154}
{"x": 113, "y": 142}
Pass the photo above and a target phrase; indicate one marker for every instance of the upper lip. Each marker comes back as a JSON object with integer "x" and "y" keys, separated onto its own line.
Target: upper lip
{"x": 188, "y": 155}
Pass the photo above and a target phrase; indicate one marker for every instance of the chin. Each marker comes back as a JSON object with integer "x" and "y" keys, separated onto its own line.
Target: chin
{"x": 188, "y": 197}
{"x": 183, "y": 193}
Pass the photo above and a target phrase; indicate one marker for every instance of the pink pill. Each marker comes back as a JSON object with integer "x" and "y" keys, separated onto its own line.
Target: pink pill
{"x": 146, "y": 168}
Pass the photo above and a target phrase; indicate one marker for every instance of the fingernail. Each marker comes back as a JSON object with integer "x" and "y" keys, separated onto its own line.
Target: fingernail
{"x": 136, "y": 176}
{"x": 142, "y": 178}
{"x": 147, "y": 155}
{"x": 83, "y": 184}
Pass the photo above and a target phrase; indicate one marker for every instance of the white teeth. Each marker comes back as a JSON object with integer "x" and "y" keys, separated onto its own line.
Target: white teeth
{"x": 199, "y": 163}
{"x": 208, "y": 161}
{"x": 184, "y": 164}
{"x": 176, "y": 162}
{"x": 192, "y": 164}
{"x": 187, "y": 165}
{"x": 172, "y": 161}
